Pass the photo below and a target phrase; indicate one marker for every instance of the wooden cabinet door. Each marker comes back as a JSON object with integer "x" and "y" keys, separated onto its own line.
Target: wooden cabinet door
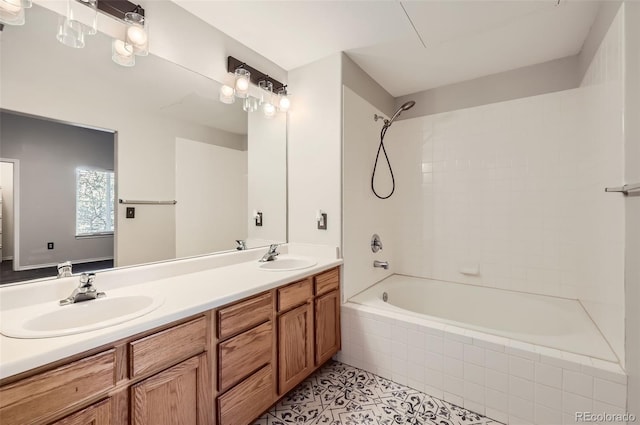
{"x": 176, "y": 396}
{"x": 327, "y": 326}
{"x": 96, "y": 414}
{"x": 295, "y": 346}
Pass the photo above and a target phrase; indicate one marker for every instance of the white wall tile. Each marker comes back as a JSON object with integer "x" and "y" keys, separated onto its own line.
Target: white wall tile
{"x": 497, "y": 380}
{"x": 473, "y": 392}
{"x": 520, "y": 408}
{"x": 520, "y": 367}
{"x": 453, "y": 367}
{"x": 453, "y": 349}
{"x": 521, "y": 388}
{"x": 610, "y": 392}
{"x": 572, "y": 403}
{"x": 547, "y": 416}
{"x": 548, "y": 375}
{"x": 548, "y": 396}
{"x": 497, "y": 361}
{"x": 474, "y": 354}
{"x": 474, "y": 373}
{"x": 577, "y": 383}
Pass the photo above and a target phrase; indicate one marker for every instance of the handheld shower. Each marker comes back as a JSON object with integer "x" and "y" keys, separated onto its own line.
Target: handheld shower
{"x": 387, "y": 123}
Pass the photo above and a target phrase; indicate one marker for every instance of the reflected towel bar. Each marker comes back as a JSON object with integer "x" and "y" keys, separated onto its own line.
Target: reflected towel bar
{"x": 126, "y": 201}
{"x": 626, "y": 189}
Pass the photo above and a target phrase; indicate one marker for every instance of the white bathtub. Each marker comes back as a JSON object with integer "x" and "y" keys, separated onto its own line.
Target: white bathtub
{"x": 546, "y": 321}
{"x": 517, "y": 358}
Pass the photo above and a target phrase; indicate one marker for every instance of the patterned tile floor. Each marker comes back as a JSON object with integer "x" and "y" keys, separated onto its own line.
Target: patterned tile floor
{"x": 339, "y": 394}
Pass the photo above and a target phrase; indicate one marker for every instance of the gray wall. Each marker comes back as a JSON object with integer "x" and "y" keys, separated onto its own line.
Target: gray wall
{"x": 49, "y": 153}
{"x": 547, "y": 77}
{"x": 632, "y": 154}
{"x": 366, "y": 87}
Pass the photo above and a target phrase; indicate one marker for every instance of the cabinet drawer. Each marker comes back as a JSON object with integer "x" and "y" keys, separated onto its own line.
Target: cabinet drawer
{"x": 247, "y": 400}
{"x": 295, "y": 294}
{"x": 167, "y": 348}
{"x": 327, "y": 281}
{"x": 243, "y": 354}
{"x": 244, "y": 315}
{"x": 33, "y": 399}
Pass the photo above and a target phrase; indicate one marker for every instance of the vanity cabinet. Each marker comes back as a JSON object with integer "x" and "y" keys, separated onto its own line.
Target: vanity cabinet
{"x": 150, "y": 378}
{"x": 295, "y": 334}
{"x": 221, "y": 367}
{"x": 327, "y": 315}
{"x": 171, "y": 397}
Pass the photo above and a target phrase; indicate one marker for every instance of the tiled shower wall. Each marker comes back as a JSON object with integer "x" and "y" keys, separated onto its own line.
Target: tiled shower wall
{"x": 514, "y": 190}
{"x": 602, "y": 292}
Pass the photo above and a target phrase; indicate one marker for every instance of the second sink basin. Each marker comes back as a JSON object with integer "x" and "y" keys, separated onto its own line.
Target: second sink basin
{"x": 285, "y": 264}
{"x": 54, "y": 320}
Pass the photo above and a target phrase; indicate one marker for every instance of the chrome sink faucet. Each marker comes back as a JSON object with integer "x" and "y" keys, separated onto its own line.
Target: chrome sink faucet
{"x": 85, "y": 290}
{"x": 271, "y": 254}
{"x": 64, "y": 269}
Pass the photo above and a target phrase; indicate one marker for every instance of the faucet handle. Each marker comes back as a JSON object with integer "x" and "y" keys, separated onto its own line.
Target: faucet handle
{"x": 273, "y": 248}
{"x": 87, "y": 279}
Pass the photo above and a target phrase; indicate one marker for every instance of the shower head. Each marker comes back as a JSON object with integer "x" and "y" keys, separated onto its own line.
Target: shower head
{"x": 405, "y": 107}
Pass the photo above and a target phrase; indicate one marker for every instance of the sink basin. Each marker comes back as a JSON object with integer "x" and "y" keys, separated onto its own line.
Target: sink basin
{"x": 51, "y": 320}
{"x": 286, "y": 264}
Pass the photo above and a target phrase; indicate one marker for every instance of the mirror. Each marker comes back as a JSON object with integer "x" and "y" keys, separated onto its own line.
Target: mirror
{"x": 158, "y": 127}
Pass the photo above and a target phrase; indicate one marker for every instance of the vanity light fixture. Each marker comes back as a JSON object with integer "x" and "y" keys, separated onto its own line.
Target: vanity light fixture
{"x": 266, "y": 98}
{"x": 283, "y": 99}
{"x": 272, "y": 96}
{"x": 243, "y": 78}
{"x": 137, "y": 32}
{"x": 81, "y": 20}
{"x": 12, "y": 11}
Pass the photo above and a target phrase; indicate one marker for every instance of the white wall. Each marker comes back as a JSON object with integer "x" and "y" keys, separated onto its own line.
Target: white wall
{"x": 314, "y": 151}
{"x": 632, "y": 203}
{"x": 49, "y": 155}
{"x": 266, "y": 178}
{"x": 363, "y": 213}
{"x": 6, "y": 182}
{"x": 211, "y": 187}
{"x": 602, "y": 290}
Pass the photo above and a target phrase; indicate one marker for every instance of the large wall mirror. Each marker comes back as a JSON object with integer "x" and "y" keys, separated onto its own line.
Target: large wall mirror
{"x": 80, "y": 132}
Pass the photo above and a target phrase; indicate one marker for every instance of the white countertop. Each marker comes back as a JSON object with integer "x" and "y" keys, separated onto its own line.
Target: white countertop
{"x": 185, "y": 294}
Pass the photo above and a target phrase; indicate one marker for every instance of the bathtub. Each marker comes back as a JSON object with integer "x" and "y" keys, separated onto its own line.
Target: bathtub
{"x": 515, "y": 357}
{"x": 546, "y": 321}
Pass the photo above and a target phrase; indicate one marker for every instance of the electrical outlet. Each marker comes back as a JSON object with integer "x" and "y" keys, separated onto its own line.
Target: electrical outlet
{"x": 131, "y": 212}
{"x": 49, "y": 245}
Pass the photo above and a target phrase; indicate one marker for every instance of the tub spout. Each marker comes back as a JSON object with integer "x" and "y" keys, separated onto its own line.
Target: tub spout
{"x": 382, "y": 264}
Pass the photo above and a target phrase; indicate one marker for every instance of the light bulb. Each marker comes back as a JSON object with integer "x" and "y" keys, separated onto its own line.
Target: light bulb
{"x": 243, "y": 77}
{"x": 284, "y": 103}
{"x": 242, "y": 84}
{"x": 11, "y": 12}
{"x": 122, "y": 53}
{"x": 122, "y": 49}
{"x": 269, "y": 110}
{"x": 226, "y": 94}
{"x": 226, "y": 90}
{"x": 137, "y": 35}
{"x": 11, "y": 6}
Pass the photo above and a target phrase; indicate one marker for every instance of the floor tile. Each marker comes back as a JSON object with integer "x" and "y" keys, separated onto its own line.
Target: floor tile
{"x": 339, "y": 394}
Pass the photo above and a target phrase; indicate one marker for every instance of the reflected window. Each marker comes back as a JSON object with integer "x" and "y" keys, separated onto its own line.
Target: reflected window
{"x": 95, "y": 197}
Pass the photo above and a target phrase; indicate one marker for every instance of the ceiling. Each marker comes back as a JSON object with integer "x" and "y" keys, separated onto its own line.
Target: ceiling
{"x": 406, "y": 46}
